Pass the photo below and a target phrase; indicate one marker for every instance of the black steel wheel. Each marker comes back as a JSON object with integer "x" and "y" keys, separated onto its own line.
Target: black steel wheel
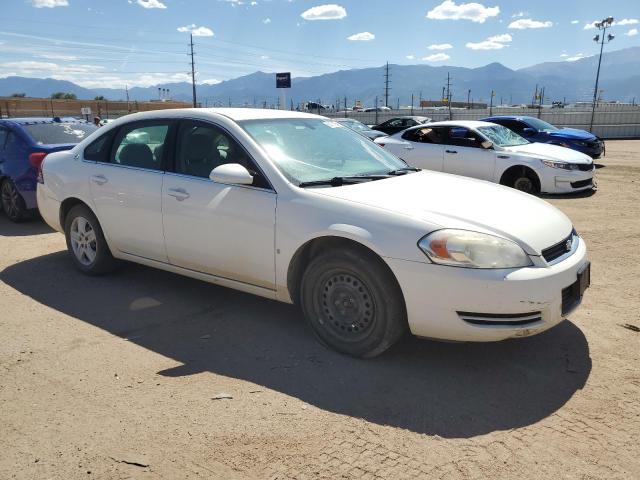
{"x": 353, "y": 302}
{"x": 12, "y": 202}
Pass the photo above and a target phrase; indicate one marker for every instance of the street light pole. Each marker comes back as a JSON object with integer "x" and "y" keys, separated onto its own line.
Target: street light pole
{"x": 602, "y": 25}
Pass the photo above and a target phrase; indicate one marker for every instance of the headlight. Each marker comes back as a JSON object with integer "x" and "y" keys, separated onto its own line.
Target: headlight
{"x": 462, "y": 248}
{"x": 563, "y": 165}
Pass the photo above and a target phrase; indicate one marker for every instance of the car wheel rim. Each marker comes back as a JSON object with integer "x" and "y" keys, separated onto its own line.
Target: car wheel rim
{"x": 83, "y": 241}
{"x": 524, "y": 184}
{"x": 10, "y": 200}
{"x": 347, "y": 310}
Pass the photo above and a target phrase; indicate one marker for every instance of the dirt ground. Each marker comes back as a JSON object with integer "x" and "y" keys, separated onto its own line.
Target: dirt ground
{"x": 117, "y": 377}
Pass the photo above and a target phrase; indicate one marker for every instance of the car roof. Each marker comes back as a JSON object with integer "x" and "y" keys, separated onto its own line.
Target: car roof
{"x": 510, "y": 117}
{"x": 235, "y": 114}
{"x": 456, "y": 123}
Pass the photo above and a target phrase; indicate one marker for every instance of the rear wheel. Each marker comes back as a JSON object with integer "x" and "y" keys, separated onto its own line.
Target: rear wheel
{"x": 86, "y": 243}
{"x": 12, "y": 202}
{"x": 353, "y": 303}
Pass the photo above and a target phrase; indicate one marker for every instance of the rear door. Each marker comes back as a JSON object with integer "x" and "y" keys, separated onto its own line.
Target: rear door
{"x": 126, "y": 187}
{"x": 424, "y": 148}
{"x": 464, "y": 154}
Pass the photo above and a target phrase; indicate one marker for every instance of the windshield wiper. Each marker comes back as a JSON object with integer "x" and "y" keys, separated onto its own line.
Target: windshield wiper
{"x": 339, "y": 181}
{"x": 403, "y": 171}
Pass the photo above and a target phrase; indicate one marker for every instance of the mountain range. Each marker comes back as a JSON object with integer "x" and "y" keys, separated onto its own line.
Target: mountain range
{"x": 573, "y": 81}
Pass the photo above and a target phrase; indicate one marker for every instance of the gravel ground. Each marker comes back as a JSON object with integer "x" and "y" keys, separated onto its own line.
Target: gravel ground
{"x": 121, "y": 376}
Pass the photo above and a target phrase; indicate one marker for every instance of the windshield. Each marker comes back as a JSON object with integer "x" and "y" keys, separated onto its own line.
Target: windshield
{"x": 355, "y": 125}
{"x": 309, "y": 149}
{"x": 501, "y": 136}
{"x": 59, "y": 133}
{"x": 541, "y": 125}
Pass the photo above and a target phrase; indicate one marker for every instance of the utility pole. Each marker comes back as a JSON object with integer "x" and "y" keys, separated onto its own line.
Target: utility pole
{"x": 449, "y": 94}
{"x": 541, "y": 95}
{"x": 602, "y": 25}
{"x": 126, "y": 91}
{"x": 386, "y": 86}
{"x": 491, "y": 103}
{"x": 193, "y": 72}
{"x": 468, "y": 97}
{"x": 412, "y": 104}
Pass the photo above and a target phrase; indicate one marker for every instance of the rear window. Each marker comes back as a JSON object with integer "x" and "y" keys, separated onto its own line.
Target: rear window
{"x": 52, "y": 133}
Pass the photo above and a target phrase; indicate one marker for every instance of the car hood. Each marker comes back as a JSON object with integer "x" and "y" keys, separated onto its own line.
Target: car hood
{"x": 450, "y": 201}
{"x": 546, "y": 151}
{"x": 572, "y": 134}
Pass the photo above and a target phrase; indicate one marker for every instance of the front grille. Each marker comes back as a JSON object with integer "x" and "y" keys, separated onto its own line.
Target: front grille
{"x": 582, "y": 183}
{"x": 559, "y": 249}
{"x": 501, "y": 319}
{"x": 585, "y": 167}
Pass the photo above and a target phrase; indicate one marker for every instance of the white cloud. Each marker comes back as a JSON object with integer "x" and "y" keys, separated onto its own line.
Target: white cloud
{"x": 266, "y": 21}
{"x": 590, "y": 26}
{"x": 497, "y": 42}
{"x": 210, "y": 81}
{"x": 436, "y": 57}
{"x": 151, "y": 4}
{"x": 525, "y": 23}
{"x": 325, "y": 12}
{"x": 410, "y": 57}
{"x": 196, "y": 31}
{"x": 519, "y": 14}
{"x": 563, "y": 55}
{"x": 440, "y": 46}
{"x": 575, "y": 57}
{"x": 632, "y": 33}
{"x": 50, "y": 3}
{"x": 628, "y": 21}
{"x": 573, "y": 22}
{"x": 476, "y": 12}
{"x": 362, "y": 37}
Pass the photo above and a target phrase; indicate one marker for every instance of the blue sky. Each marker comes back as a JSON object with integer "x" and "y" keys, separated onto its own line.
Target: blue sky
{"x": 144, "y": 42}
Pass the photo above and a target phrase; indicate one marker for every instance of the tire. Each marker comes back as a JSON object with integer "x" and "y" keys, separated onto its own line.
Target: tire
{"x": 12, "y": 202}
{"x": 353, "y": 303}
{"x": 86, "y": 243}
{"x": 522, "y": 179}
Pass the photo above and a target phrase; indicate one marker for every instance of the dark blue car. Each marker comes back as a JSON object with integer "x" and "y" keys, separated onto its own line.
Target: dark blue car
{"x": 24, "y": 142}
{"x": 536, "y": 130}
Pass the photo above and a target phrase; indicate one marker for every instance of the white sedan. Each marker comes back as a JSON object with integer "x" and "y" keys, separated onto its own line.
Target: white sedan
{"x": 297, "y": 208}
{"x": 492, "y": 152}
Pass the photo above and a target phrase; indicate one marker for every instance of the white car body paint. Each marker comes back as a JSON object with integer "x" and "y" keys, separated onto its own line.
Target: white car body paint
{"x": 490, "y": 164}
{"x": 245, "y": 237}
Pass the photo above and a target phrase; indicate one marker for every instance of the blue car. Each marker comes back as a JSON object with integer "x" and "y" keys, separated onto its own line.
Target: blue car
{"x": 536, "y": 130}
{"x": 24, "y": 142}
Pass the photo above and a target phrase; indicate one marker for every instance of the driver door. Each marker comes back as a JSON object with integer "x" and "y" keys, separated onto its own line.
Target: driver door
{"x": 219, "y": 229}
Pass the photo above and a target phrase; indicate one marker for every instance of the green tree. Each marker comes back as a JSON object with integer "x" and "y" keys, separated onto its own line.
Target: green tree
{"x": 57, "y": 95}
{"x": 18, "y": 95}
{"x": 70, "y": 96}
{"x": 100, "y": 97}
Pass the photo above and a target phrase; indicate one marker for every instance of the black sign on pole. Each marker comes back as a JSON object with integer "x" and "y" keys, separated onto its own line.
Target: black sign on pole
{"x": 283, "y": 80}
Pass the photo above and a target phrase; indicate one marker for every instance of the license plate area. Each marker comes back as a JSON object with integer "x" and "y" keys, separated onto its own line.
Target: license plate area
{"x": 572, "y": 294}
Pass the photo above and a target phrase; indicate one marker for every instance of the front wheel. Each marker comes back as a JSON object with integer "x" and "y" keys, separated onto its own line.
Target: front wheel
{"x": 353, "y": 303}
{"x": 86, "y": 243}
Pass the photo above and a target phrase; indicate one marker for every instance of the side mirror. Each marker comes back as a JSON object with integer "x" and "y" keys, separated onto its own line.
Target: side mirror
{"x": 528, "y": 132}
{"x": 232, "y": 173}
{"x": 487, "y": 144}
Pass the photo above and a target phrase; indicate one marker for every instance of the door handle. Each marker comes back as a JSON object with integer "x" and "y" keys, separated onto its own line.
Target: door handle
{"x": 408, "y": 147}
{"x": 451, "y": 151}
{"x": 99, "y": 179}
{"x": 178, "y": 193}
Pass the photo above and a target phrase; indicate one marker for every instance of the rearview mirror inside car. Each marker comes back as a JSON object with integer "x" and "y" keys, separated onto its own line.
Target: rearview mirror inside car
{"x": 232, "y": 173}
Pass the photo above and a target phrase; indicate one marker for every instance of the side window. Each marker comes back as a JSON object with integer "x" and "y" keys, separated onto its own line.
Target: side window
{"x": 140, "y": 146}
{"x": 425, "y": 135}
{"x": 394, "y": 123}
{"x": 463, "y": 137}
{"x": 409, "y": 122}
{"x": 202, "y": 147}
{"x": 98, "y": 150}
{"x": 514, "y": 125}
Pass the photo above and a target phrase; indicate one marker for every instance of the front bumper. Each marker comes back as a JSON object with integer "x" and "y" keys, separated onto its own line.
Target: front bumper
{"x": 554, "y": 180}
{"x": 443, "y": 302}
